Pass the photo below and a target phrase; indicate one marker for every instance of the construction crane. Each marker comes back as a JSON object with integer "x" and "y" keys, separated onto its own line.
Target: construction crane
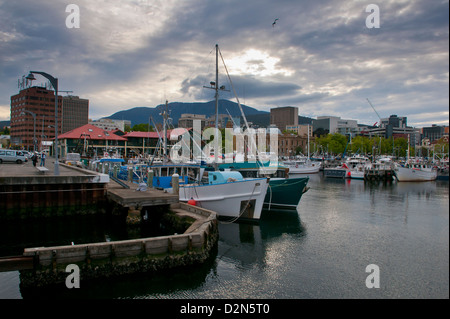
{"x": 375, "y": 111}
{"x": 67, "y": 92}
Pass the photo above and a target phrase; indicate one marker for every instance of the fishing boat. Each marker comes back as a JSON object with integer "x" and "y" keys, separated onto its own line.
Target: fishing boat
{"x": 228, "y": 194}
{"x": 415, "y": 172}
{"x": 336, "y": 172}
{"x": 357, "y": 165}
{"x": 303, "y": 166}
{"x": 284, "y": 192}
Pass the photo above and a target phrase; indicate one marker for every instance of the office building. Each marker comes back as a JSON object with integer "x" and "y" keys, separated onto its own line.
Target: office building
{"x": 33, "y": 117}
{"x": 284, "y": 116}
{"x": 75, "y": 113}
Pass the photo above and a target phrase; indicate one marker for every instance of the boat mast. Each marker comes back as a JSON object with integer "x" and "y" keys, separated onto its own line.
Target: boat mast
{"x": 216, "y": 136}
{"x": 308, "y": 143}
{"x": 165, "y": 115}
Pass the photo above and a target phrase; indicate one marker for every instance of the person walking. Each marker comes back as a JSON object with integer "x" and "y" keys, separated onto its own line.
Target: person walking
{"x": 34, "y": 159}
{"x": 42, "y": 159}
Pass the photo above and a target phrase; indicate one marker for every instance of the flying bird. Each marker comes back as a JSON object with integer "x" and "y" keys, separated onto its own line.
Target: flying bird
{"x": 273, "y": 24}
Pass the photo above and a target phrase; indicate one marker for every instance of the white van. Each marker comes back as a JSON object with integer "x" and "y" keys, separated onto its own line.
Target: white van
{"x": 12, "y": 156}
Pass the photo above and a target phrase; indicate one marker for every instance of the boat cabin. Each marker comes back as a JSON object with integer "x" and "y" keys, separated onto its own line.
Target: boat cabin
{"x": 219, "y": 177}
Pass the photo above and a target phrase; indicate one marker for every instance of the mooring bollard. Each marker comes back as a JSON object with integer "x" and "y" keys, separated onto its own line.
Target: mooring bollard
{"x": 130, "y": 174}
{"x": 176, "y": 184}
{"x": 150, "y": 178}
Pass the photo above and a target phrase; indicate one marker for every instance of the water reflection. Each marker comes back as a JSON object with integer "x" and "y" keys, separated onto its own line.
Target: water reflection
{"x": 245, "y": 244}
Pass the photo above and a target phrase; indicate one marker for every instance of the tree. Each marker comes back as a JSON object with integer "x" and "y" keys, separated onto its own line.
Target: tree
{"x": 143, "y": 127}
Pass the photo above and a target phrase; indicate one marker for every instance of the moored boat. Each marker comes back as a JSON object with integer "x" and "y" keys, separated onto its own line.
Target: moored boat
{"x": 284, "y": 192}
{"x": 415, "y": 172}
{"x": 228, "y": 194}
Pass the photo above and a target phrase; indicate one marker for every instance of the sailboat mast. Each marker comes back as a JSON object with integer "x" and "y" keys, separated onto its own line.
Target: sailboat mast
{"x": 165, "y": 114}
{"x": 216, "y": 137}
{"x": 308, "y": 142}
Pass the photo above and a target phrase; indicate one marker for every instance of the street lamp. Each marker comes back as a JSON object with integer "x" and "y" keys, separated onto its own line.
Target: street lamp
{"x": 34, "y": 127}
{"x": 54, "y": 82}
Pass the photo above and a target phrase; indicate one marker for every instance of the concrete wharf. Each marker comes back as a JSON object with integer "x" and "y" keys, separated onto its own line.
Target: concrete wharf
{"x": 131, "y": 197}
{"x": 22, "y": 186}
{"x": 27, "y": 192}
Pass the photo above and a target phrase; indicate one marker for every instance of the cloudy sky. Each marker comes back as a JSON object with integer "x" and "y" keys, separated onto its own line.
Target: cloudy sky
{"x": 319, "y": 56}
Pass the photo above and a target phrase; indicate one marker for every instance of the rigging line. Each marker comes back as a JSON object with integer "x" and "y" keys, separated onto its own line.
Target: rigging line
{"x": 253, "y": 142}
{"x": 243, "y": 210}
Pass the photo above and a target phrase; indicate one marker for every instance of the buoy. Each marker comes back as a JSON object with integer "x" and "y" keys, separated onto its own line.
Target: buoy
{"x": 349, "y": 174}
{"x": 192, "y": 202}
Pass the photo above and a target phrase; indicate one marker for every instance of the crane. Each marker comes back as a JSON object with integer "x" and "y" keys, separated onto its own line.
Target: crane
{"x": 67, "y": 92}
{"x": 374, "y": 110}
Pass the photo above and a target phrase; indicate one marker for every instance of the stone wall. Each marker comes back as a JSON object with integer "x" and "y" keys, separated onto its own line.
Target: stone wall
{"x": 106, "y": 259}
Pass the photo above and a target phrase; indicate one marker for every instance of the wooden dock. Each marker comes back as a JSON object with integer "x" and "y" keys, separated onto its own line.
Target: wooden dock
{"x": 133, "y": 198}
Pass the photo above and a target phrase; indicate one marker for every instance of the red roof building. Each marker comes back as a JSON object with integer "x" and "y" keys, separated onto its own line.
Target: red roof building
{"x": 93, "y": 141}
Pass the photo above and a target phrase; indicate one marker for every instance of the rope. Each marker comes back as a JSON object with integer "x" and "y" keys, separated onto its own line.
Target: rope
{"x": 243, "y": 210}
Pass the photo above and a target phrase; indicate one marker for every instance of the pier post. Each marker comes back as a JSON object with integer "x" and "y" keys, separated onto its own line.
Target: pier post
{"x": 150, "y": 178}
{"x": 176, "y": 184}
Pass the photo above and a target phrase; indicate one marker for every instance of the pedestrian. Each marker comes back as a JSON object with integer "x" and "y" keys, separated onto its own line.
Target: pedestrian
{"x": 43, "y": 159}
{"x": 34, "y": 159}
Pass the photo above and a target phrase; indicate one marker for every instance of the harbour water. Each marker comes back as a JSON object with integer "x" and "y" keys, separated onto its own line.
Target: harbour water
{"x": 319, "y": 252}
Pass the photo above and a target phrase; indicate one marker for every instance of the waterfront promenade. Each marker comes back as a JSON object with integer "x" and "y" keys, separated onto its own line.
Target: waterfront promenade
{"x": 8, "y": 170}
{"x": 26, "y": 192}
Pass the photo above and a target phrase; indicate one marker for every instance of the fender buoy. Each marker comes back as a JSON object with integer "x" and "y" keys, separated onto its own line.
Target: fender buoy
{"x": 192, "y": 202}
{"x": 349, "y": 174}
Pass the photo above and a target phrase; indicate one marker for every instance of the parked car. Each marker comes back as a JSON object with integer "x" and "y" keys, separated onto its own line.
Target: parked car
{"x": 12, "y": 156}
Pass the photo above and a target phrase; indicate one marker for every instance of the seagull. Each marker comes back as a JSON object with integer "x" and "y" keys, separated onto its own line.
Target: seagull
{"x": 273, "y": 24}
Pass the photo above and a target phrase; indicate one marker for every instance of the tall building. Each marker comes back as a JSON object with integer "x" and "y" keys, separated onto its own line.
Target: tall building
{"x": 33, "y": 117}
{"x": 75, "y": 113}
{"x": 284, "y": 116}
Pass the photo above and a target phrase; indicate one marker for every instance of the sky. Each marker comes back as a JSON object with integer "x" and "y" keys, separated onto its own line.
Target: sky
{"x": 328, "y": 57}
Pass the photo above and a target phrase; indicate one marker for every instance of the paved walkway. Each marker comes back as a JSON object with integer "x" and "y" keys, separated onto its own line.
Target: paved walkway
{"x": 27, "y": 169}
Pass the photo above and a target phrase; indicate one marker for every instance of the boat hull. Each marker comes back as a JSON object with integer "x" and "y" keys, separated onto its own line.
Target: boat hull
{"x": 285, "y": 193}
{"x": 335, "y": 172}
{"x": 240, "y": 199}
{"x": 405, "y": 174}
{"x": 304, "y": 170}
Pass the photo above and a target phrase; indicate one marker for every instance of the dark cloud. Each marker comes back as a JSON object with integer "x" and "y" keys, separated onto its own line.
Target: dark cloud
{"x": 130, "y": 53}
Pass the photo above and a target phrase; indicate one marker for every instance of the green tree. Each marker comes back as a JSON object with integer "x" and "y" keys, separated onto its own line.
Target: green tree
{"x": 143, "y": 127}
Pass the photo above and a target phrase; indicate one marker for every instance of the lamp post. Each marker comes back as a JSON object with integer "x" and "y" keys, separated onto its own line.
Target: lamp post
{"x": 34, "y": 127}
{"x": 54, "y": 82}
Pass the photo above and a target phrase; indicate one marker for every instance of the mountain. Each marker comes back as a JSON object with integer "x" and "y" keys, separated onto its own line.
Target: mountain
{"x": 140, "y": 115}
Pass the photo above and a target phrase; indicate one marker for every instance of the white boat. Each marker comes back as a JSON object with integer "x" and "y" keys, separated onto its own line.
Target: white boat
{"x": 415, "y": 172}
{"x": 357, "y": 165}
{"x": 302, "y": 166}
{"x": 228, "y": 194}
